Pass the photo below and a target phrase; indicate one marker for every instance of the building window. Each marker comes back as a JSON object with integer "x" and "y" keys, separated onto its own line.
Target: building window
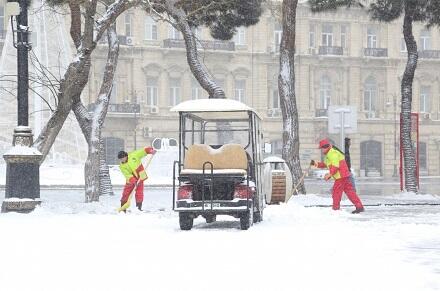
{"x": 325, "y": 92}
{"x": 173, "y": 33}
{"x": 127, "y": 24}
{"x": 327, "y": 35}
{"x": 425, "y": 40}
{"x": 277, "y": 33}
{"x": 150, "y": 28}
{"x": 343, "y": 36}
{"x": 152, "y": 91}
{"x": 274, "y": 100}
{"x": 240, "y": 89}
{"x": 112, "y": 145}
{"x": 240, "y": 36}
{"x": 402, "y": 45}
{"x": 196, "y": 90}
{"x": 425, "y": 94}
{"x": 312, "y": 43}
{"x": 370, "y": 97}
{"x": 174, "y": 91}
{"x": 371, "y": 37}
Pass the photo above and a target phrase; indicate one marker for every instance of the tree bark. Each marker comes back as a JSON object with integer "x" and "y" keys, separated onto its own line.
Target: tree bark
{"x": 406, "y": 89}
{"x": 75, "y": 23}
{"x": 286, "y": 87}
{"x": 91, "y": 125}
{"x": 198, "y": 69}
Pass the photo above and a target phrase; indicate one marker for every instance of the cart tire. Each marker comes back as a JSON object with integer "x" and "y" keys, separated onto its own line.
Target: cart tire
{"x": 246, "y": 220}
{"x": 186, "y": 221}
{"x": 211, "y": 218}
{"x": 258, "y": 216}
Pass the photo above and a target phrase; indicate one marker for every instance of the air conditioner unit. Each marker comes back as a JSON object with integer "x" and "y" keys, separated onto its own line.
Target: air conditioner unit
{"x": 130, "y": 40}
{"x": 154, "y": 109}
{"x": 147, "y": 132}
{"x": 122, "y": 39}
{"x": 427, "y": 115}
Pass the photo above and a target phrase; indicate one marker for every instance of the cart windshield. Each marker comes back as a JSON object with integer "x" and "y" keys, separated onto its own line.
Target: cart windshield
{"x": 216, "y": 129}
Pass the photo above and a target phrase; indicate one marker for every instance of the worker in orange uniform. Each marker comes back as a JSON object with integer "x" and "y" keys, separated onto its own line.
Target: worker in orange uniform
{"x": 339, "y": 171}
{"x": 134, "y": 173}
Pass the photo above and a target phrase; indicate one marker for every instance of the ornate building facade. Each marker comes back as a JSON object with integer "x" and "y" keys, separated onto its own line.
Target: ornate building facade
{"x": 342, "y": 58}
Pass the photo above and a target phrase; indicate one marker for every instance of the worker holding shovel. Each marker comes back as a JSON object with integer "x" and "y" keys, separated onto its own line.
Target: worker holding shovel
{"x": 135, "y": 175}
{"x": 339, "y": 171}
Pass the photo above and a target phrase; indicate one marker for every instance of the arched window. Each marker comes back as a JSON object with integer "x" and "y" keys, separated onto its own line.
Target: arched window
{"x": 112, "y": 145}
{"x": 325, "y": 92}
{"x": 370, "y": 97}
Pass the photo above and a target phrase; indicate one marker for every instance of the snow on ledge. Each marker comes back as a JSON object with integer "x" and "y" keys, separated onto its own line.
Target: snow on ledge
{"x": 211, "y": 105}
{"x": 20, "y": 150}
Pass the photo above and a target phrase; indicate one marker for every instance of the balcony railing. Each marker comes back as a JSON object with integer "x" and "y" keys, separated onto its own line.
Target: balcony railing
{"x": 331, "y": 50}
{"x": 119, "y": 108}
{"x": 376, "y": 52}
{"x": 429, "y": 54}
{"x": 206, "y": 44}
{"x": 2, "y": 34}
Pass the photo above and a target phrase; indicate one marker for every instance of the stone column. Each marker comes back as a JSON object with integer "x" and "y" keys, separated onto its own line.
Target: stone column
{"x": 22, "y": 191}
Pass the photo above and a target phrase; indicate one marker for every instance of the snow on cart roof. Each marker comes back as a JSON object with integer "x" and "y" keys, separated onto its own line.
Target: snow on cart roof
{"x": 212, "y": 105}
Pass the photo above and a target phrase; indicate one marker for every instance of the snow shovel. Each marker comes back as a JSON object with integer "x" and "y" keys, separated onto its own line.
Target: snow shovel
{"x": 301, "y": 180}
{"x": 127, "y": 204}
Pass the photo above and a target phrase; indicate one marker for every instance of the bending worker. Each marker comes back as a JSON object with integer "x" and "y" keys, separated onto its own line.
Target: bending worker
{"x": 134, "y": 173}
{"x": 338, "y": 170}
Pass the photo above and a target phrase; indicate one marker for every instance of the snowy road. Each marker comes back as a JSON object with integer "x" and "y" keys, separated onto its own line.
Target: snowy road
{"x": 67, "y": 245}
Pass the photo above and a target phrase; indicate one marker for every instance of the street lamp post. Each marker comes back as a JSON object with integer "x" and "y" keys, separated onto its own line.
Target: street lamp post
{"x": 22, "y": 191}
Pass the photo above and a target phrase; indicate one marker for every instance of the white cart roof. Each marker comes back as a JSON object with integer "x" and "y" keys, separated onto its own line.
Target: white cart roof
{"x": 212, "y": 105}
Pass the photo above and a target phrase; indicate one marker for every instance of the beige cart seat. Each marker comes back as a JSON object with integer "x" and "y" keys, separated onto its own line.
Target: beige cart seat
{"x": 228, "y": 159}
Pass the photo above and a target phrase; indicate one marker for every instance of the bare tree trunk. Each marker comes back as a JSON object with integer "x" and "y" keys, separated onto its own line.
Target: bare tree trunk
{"x": 406, "y": 88}
{"x": 91, "y": 123}
{"x": 76, "y": 75}
{"x": 105, "y": 183}
{"x": 286, "y": 86}
{"x": 198, "y": 69}
{"x": 75, "y": 23}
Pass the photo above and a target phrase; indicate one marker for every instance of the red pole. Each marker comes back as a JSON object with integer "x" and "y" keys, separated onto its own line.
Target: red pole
{"x": 401, "y": 155}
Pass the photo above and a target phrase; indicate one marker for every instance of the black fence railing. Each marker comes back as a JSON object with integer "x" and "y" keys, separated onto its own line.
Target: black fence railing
{"x": 205, "y": 44}
{"x": 119, "y": 107}
{"x": 429, "y": 54}
{"x": 376, "y": 52}
{"x": 331, "y": 50}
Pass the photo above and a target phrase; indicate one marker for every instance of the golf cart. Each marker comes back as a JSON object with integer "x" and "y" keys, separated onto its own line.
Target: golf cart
{"x": 219, "y": 171}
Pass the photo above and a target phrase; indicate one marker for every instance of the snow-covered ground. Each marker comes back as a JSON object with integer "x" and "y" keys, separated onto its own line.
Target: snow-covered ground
{"x": 68, "y": 245}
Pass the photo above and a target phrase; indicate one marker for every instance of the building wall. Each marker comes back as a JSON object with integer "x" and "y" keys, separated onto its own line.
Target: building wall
{"x": 351, "y": 69}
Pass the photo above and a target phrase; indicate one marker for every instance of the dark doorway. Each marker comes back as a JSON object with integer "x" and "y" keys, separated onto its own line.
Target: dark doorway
{"x": 371, "y": 158}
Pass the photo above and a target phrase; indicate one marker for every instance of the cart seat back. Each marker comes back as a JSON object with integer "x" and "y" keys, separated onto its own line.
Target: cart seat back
{"x": 228, "y": 156}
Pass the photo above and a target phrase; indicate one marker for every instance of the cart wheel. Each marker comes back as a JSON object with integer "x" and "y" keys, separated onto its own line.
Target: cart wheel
{"x": 247, "y": 219}
{"x": 211, "y": 218}
{"x": 186, "y": 221}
